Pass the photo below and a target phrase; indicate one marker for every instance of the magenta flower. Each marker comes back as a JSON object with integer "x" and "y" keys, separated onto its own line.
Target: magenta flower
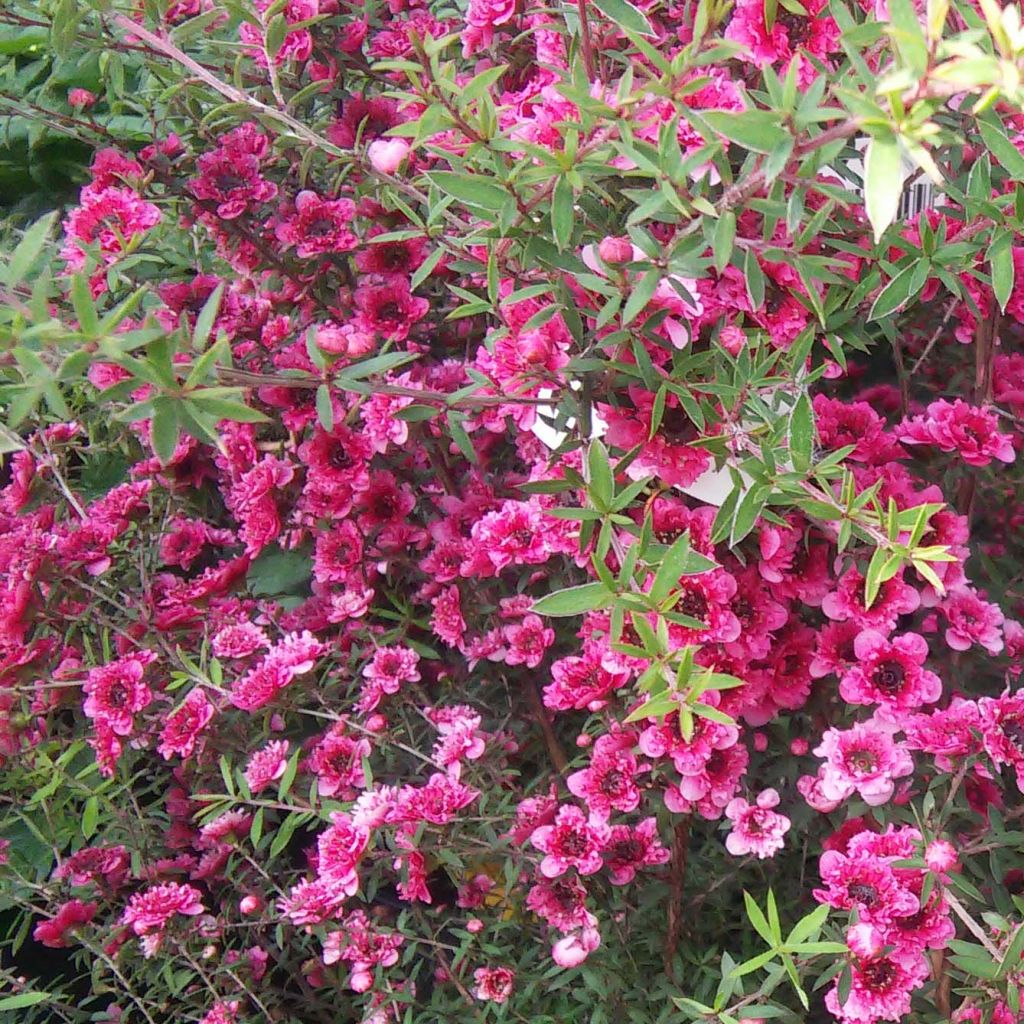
{"x": 493, "y": 984}
{"x": 972, "y": 621}
{"x": 863, "y": 759}
{"x": 890, "y": 672}
{"x": 955, "y": 426}
{"x": 630, "y": 849}
{"x": 184, "y": 726}
{"x": 149, "y": 912}
{"x": 266, "y": 766}
{"x": 318, "y": 226}
{"x": 570, "y": 843}
{"x": 115, "y": 692}
{"x": 880, "y": 988}
{"x": 609, "y": 783}
{"x": 756, "y": 828}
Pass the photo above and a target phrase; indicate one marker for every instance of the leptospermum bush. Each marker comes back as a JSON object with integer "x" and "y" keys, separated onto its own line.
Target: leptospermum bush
{"x": 510, "y": 513}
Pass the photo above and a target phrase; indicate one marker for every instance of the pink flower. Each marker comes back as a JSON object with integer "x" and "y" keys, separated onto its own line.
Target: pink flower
{"x": 972, "y": 621}
{"x": 149, "y": 912}
{"x": 572, "y": 950}
{"x": 880, "y": 988}
{"x": 561, "y": 903}
{"x": 318, "y": 226}
{"x": 183, "y": 727}
{"x": 115, "y": 692}
{"x": 363, "y": 946}
{"x": 266, "y": 766}
{"x": 866, "y": 883}
{"x": 230, "y": 179}
{"x": 895, "y": 598}
{"x": 55, "y": 932}
{"x": 313, "y": 902}
{"x": 293, "y": 656}
{"x": 940, "y": 855}
{"x": 630, "y": 849}
{"x": 570, "y": 842}
{"x": 110, "y": 219}
{"x": 609, "y": 783}
{"x": 337, "y": 761}
{"x": 389, "y": 668}
{"x": 1002, "y": 731}
{"x": 493, "y": 984}
{"x": 340, "y": 848}
{"x": 890, "y": 673}
{"x": 482, "y": 17}
{"x": 863, "y": 759}
{"x": 958, "y": 427}
{"x": 756, "y": 828}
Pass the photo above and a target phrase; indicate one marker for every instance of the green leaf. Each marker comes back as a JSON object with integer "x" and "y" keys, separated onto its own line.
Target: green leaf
{"x": 757, "y": 130}
{"x": 724, "y": 237}
{"x": 756, "y": 917}
{"x": 276, "y": 571}
{"x": 206, "y": 318}
{"x": 84, "y": 306}
{"x": 601, "y": 482}
{"x": 640, "y": 296}
{"x": 1000, "y": 257}
{"x": 562, "y": 213}
{"x": 896, "y": 294}
{"x": 23, "y": 1000}
{"x": 749, "y": 508}
{"x": 90, "y": 816}
{"x": 801, "y": 433}
{"x": 883, "y": 182}
{"x": 28, "y": 249}
{"x": 226, "y": 408}
{"x": 325, "y": 407}
{"x": 285, "y": 833}
{"x": 1005, "y": 152}
{"x": 164, "y": 429}
{"x": 754, "y": 276}
{"x": 573, "y": 600}
{"x": 625, "y": 15}
{"x": 471, "y": 189}
{"x": 671, "y": 568}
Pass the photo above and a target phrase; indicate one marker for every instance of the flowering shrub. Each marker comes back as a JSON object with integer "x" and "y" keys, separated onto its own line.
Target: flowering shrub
{"x": 510, "y": 512}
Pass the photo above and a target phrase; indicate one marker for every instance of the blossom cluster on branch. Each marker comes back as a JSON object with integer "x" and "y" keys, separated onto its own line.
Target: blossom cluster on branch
{"x": 495, "y": 495}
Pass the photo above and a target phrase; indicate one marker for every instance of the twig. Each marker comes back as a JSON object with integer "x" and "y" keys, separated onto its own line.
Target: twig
{"x": 972, "y": 926}
{"x": 540, "y": 714}
{"x": 677, "y": 883}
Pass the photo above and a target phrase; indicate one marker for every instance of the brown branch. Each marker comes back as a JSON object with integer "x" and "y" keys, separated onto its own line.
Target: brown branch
{"x": 676, "y": 884}
{"x": 540, "y": 714}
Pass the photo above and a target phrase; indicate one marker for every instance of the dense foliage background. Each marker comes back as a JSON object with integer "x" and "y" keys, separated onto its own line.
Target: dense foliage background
{"x": 510, "y": 511}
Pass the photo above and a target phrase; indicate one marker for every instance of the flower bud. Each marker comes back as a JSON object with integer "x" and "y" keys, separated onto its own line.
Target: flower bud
{"x": 940, "y": 856}
{"x": 387, "y": 155}
{"x": 615, "y": 250}
{"x": 249, "y": 904}
{"x": 81, "y": 99}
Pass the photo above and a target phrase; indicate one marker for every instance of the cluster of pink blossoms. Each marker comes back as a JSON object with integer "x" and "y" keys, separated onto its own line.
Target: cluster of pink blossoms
{"x": 350, "y": 732}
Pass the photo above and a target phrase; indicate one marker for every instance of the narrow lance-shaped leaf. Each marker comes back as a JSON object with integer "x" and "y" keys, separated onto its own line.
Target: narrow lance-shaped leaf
{"x": 883, "y": 182}
{"x": 573, "y": 600}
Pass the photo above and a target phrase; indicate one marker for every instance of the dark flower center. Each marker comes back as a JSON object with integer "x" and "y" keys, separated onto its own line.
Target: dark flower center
{"x": 695, "y": 605}
{"x": 320, "y": 227}
{"x": 1013, "y": 730}
{"x": 889, "y": 677}
{"x": 339, "y": 457}
{"x": 878, "y": 975}
{"x": 573, "y": 844}
{"x": 861, "y": 892}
